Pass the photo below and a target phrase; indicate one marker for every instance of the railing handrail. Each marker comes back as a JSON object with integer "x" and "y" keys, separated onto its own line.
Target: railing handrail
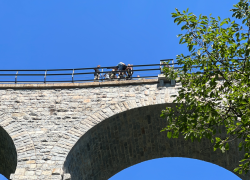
{"x": 77, "y": 69}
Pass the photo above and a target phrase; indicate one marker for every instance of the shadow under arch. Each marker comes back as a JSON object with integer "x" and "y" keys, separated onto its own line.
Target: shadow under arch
{"x": 132, "y": 137}
{"x": 8, "y": 154}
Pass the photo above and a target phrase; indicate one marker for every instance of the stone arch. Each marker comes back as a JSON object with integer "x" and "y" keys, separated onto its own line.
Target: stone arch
{"x": 8, "y": 154}
{"x": 21, "y": 148}
{"x": 131, "y": 137}
{"x": 61, "y": 149}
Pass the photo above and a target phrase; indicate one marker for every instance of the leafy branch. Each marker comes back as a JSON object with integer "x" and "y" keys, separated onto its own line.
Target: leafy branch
{"x": 215, "y": 79}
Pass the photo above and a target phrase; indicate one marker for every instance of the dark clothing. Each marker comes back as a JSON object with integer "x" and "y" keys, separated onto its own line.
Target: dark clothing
{"x": 97, "y": 71}
{"x": 120, "y": 65}
{"x": 129, "y": 72}
{"x": 124, "y": 67}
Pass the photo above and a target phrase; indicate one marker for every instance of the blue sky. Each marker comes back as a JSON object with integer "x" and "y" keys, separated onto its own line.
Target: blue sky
{"x": 45, "y": 34}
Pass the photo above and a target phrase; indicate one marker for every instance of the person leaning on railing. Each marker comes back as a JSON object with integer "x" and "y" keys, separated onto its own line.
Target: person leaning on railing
{"x": 97, "y": 73}
{"x": 122, "y": 67}
{"x": 129, "y": 70}
{"x": 112, "y": 74}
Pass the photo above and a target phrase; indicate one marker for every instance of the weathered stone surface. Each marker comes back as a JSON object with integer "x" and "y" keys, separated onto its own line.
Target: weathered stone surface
{"x": 46, "y": 121}
{"x": 66, "y": 177}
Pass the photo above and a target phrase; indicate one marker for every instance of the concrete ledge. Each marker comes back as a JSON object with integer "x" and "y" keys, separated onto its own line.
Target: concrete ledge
{"x": 78, "y": 85}
{"x": 163, "y": 77}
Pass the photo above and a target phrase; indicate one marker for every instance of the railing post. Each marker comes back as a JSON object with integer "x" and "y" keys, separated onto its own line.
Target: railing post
{"x": 16, "y": 77}
{"x": 161, "y": 69}
{"x": 45, "y": 77}
{"x": 73, "y": 76}
{"x": 102, "y": 76}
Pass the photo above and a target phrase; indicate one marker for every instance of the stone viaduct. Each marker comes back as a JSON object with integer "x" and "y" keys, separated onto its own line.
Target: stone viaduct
{"x": 90, "y": 131}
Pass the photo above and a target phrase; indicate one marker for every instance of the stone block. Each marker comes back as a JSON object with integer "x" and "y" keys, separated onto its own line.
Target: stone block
{"x": 67, "y": 176}
{"x": 86, "y": 100}
{"x": 29, "y": 173}
{"x": 39, "y": 172}
{"x": 56, "y": 177}
{"x": 31, "y": 162}
{"x": 12, "y": 176}
{"x": 57, "y": 171}
{"x": 46, "y": 172}
{"x": 33, "y": 166}
{"x": 20, "y": 171}
{"x": 33, "y": 177}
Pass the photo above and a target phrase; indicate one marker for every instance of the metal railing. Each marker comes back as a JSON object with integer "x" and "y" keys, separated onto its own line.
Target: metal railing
{"x": 77, "y": 75}
{"x": 29, "y": 76}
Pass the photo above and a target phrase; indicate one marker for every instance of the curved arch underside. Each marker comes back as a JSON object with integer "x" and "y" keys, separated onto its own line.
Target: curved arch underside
{"x": 8, "y": 154}
{"x": 132, "y": 137}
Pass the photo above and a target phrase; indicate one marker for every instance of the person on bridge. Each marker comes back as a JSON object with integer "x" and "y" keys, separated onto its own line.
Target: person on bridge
{"x": 113, "y": 73}
{"x": 129, "y": 70}
{"x": 122, "y": 68}
{"x": 97, "y": 73}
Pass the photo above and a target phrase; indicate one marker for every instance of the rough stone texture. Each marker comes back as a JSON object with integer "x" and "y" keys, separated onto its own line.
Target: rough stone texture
{"x": 8, "y": 155}
{"x": 45, "y": 122}
{"x": 132, "y": 137}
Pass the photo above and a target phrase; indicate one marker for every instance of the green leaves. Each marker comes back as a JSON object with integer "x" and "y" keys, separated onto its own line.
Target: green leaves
{"x": 242, "y": 11}
{"x": 227, "y": 146}
{"x": 214, "y": 99}
{"x": 169, "y": 134}
{"x": 190, "y": 47}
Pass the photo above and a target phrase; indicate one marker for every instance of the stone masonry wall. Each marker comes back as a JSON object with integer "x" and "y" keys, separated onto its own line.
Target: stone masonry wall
{"x": 46, "y": 123}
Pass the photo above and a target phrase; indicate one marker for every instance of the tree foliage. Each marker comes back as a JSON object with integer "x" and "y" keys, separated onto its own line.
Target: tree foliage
{"x": 215, "y": 80}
